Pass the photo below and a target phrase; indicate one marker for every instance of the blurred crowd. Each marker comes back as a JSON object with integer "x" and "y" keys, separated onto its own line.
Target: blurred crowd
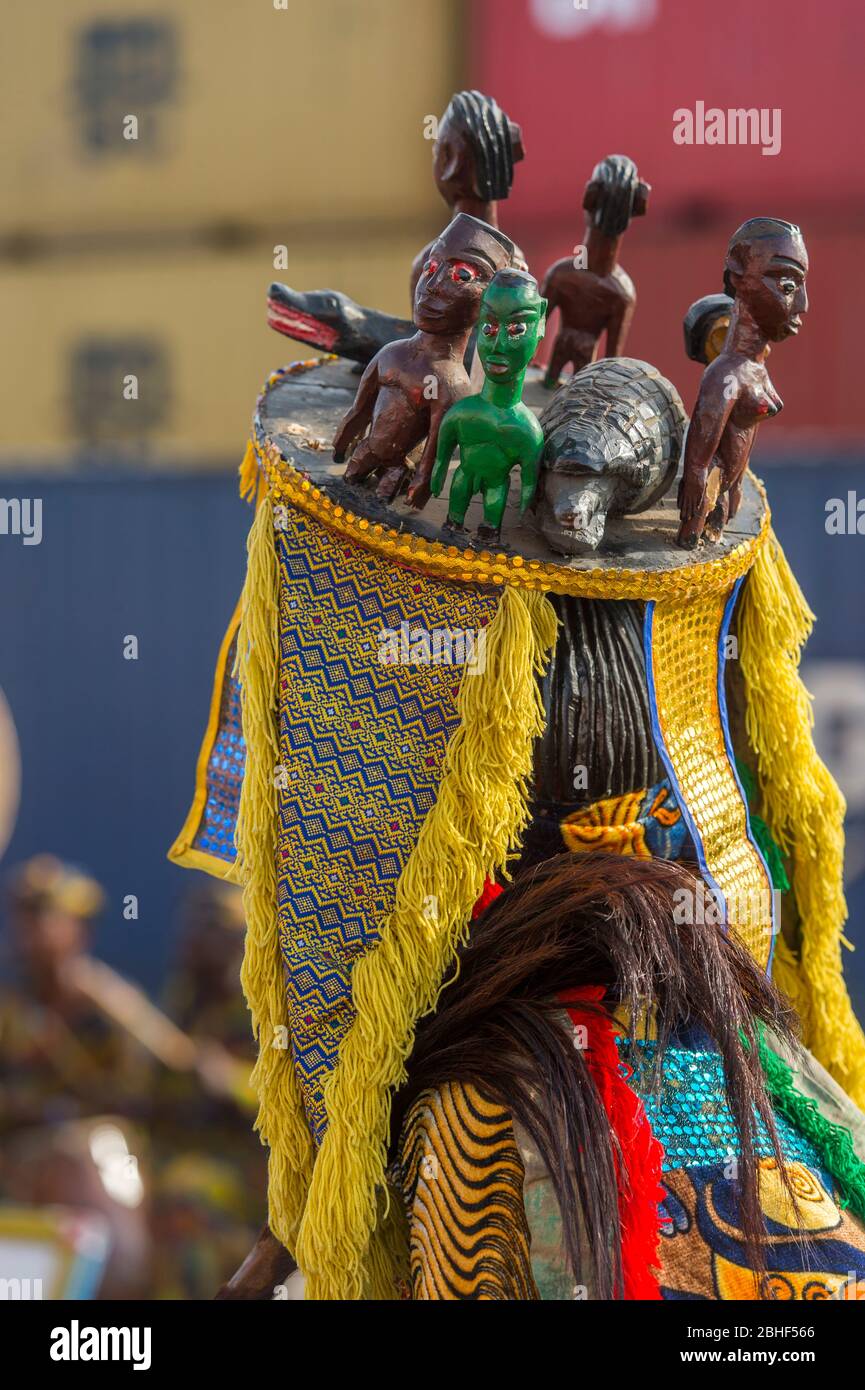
{"x": 126, "y": 1127}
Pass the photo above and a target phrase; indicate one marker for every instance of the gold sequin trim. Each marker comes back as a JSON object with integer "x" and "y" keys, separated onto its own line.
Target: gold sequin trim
{"x": 685, "y": 677}
{"x": 468, "y": 566}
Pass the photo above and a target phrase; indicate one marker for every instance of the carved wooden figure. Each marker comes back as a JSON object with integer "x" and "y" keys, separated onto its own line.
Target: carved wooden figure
{"x": 473, "y": 167}
{"x": 613, "y": 440}
{"x": 473, "y": 162}
{"x": 494, "y": 431}
{"x": 410, "y": 384}
{"x": 330, "y": 321}
{"x": 765, "y": 273}
{"x": 590, "y": 289}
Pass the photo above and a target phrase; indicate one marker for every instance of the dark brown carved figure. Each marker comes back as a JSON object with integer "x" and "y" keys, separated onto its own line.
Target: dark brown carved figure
{"x": 267, "y": 1266}
{"x": 765, "y": 272}
{"x": 473, "y": 166}
{"x": 410, "y": 384}
{"x": 473, "y": 162}
{"x": 592, "y": 292}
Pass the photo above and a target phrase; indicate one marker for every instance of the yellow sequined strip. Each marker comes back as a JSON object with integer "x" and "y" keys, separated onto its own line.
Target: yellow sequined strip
{"x": 468, "y": 566}
{"x": 684, "y": 654}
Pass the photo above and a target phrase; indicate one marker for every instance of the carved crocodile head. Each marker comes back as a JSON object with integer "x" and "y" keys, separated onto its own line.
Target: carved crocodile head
{"x": 330, "y": 321}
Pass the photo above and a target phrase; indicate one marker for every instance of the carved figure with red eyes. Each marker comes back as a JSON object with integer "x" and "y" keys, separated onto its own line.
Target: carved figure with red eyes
{"x": 409, "y": 385}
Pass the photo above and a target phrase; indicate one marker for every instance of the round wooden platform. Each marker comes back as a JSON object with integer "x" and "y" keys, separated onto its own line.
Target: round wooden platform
{"x": 299, "y": 413}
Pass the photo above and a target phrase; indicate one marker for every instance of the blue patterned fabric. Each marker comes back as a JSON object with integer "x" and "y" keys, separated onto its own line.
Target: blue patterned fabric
{"x": 364, "y": 723}
{"x": 667, "y": 835}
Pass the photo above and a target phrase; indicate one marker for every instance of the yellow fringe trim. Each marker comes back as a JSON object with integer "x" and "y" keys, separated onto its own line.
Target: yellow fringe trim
{"x": 804, "y": 810}
{"x": 471, "y": 831}
{"x": 252, "y": 488}
{"x": 281, "y": 1121}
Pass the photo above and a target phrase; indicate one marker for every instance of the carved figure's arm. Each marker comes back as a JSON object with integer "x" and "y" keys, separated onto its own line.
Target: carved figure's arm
{"x": 550, "y": 288}
{"x": 708, "y": 422}
{"x": 419, "y": 492}
{"x": 529, "y": 470}
{"x": 447, "y": 442}
{"x": 619, "y": 327}
{"x": 357, "y": 419}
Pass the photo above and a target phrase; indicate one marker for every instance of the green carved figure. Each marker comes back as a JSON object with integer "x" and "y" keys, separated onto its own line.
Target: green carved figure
{"x": 494, "y": 431}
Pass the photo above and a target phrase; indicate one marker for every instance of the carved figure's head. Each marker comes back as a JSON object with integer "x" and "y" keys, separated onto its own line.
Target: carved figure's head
{"x": 614, "y": 194}
{"x": 460, "y": 265}
{"x": 512, "y": 322}
{"x": 765, "y": 270}
{"x": 705, "y": 327}
{"x": 476, "y": 149}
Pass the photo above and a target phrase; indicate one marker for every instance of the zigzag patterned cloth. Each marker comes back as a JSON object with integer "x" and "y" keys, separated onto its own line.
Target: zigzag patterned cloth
{"x": 462, "y": 1180}
{"x": 362, "y": 740}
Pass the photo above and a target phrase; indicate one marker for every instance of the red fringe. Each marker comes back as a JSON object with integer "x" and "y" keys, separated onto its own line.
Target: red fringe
{"x": 639, "y": 1171}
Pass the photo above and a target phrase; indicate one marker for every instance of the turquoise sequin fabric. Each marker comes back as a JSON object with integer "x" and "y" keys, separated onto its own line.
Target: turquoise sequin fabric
{"x": 689, "y": 1114}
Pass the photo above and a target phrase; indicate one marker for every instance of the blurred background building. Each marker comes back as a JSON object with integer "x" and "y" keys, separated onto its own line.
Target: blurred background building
{"x": 162, "y": 160}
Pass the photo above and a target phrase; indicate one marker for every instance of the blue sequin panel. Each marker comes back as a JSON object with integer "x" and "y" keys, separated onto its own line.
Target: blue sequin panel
{"x": 224, "y": 774}
{"x": 689, "y": 1113}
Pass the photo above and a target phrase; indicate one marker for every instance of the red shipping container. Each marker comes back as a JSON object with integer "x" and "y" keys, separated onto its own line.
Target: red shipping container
{"x": 610, "y": 78}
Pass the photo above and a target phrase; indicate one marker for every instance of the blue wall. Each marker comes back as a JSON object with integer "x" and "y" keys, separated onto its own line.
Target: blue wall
{"x": 109, "y": 745}
{"x": 831, "y": 571}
